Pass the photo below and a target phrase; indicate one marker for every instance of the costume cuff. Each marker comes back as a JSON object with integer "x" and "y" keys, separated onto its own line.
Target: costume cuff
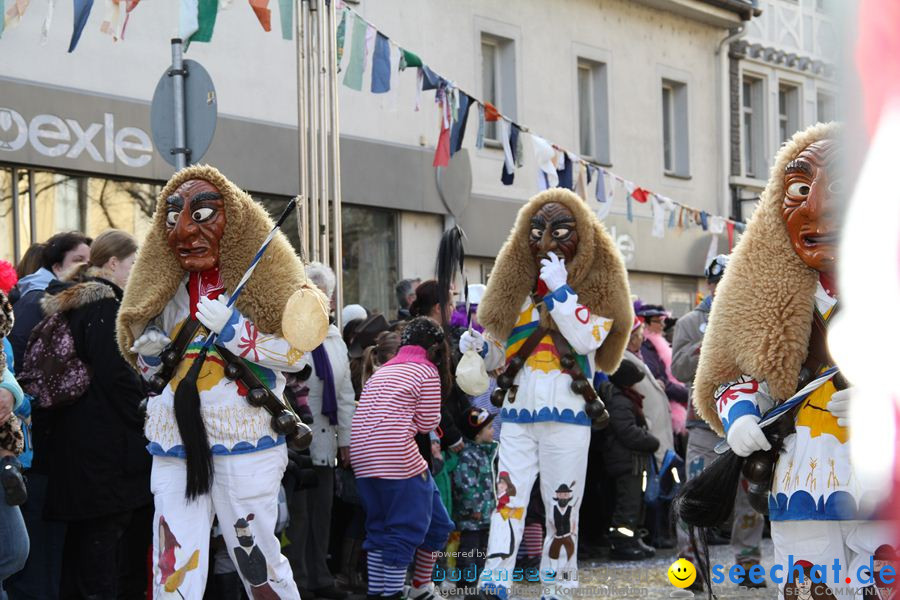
{"x": 228, "y": 331}
{"x": 560, "y": 295}
{"x": 738, "y": 410}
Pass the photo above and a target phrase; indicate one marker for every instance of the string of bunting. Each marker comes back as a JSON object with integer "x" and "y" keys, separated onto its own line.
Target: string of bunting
{"x": 557, "y": 167}
{"x": 196, "y": 18}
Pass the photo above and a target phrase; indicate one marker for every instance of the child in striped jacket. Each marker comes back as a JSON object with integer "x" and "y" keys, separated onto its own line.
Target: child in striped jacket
{"x": 405, "y": 518}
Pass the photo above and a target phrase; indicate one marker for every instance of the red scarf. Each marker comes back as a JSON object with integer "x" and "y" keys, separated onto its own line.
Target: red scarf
{"x": 205, "y": 284}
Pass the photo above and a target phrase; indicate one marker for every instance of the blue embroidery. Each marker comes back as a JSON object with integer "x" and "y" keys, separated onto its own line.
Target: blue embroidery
{"x": 524, "y": 415}
{"x": 739, "y": 409}
{"x": 264, "y": 443}
{"x": 151, "y": 361}
{"x": 558, "y": 295}
{"x": 228, "y": 332}
{"x": 800, "y": 506}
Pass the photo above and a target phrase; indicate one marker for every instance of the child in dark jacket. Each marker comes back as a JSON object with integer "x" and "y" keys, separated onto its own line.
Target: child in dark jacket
{"x": 405, "y": 517}
{"x": 473, "y": 493}
{"x": 627, "y": 450}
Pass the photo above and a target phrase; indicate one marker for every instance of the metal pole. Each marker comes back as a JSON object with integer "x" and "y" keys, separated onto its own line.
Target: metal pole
{"x": 32, "y": 209}
{"x": 302, "y": 206}
{"x": 177, "y": 74}
{"x": 313, "y": 137}
{"x": 323, "y": 90}
{"x": 15, "y": 212}
{"x": 336, "y": 167}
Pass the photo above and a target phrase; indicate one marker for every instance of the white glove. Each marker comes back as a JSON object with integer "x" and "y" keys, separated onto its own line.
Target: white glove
{"x": 214, "y": 314}
{"x": 745, "y": 436}
{"x": 151, "y": 343}
{"x": 839, "y": 406}
{"x": 553, "y": 272}
{"x": 471, "y": 340}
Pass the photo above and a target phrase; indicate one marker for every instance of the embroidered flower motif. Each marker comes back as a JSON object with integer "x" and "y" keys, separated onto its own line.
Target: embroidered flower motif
{"x": 293, "y": 356}
{"x": 249, "y": 341}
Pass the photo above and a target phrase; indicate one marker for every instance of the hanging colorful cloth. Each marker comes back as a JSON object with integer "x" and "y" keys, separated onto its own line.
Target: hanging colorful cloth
{"x": 659, "y": 215}
{"x": 479, "y": 138}
{"x": 641, "y": 195}
{"x": 110, "y": 24}
{"x": 509, "y": 136}
{"x": 458, "y": 131}
{"x": 15, "y": 13}
{"x": 381, "y": 65}
{"x": 356, "y": 66}
{"x": 490, "y": 112}
{"x": 730, "y": 227}
{"x": 605, "y": 193}
{"x": 442, "y": 151}
{"x": 341, "y": 37}
{"x": 261, "y": 9}
{"x": 206, "y": 20}
{"x": 565, "y": 173}
{"x": 704, "y": 216}
{"x": 130, "y": 6}
{"x": 408, "y": 59}
{"x": 82, "y": 12}
{"x": 286, "y": 13}
{"x": 544, "y": 156}
{"x": 48, "y": 20}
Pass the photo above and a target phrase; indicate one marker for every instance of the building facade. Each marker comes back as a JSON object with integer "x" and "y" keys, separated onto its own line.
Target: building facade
{"x": 783, "y": 78}
{"x": 633, "y": 85}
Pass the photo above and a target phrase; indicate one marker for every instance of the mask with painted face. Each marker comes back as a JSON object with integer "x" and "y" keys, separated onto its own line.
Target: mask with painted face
{"x": 811, "y": 184}
{"x": 195, "y": 224}
{"x": 553, "y": 230}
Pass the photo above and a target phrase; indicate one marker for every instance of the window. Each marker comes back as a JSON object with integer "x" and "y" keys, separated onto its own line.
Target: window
{"x": 593, "y": 113}
{"x": 498, "y": 79}
{"x": 788, "y": 109}
{"x": 824, "y": 107}
{"x": 675, "y": 128}
{"x": 47, "y": 202}
{"x": 369, "y": 242}
{"x": 752, "y": 120}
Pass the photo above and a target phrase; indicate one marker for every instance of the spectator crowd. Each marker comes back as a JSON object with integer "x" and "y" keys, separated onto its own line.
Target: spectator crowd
{"x": 381, "y": 399}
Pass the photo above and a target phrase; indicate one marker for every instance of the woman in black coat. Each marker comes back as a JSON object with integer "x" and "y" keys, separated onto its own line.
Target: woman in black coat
{"x": 97, "y": 463}
{"x": 626, "y": 451}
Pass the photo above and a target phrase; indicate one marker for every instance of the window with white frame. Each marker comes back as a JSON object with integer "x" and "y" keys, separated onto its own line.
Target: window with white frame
{"x": 752, "y": 120}
{"x": 788, "y": 111}
{"x": 824, "y": 107}
{"x": 676, "y": 150}
{"x": 498, "y": 78}
{"x": 593, "y": 111}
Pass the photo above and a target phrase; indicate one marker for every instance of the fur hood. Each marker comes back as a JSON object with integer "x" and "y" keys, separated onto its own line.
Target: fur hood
{"x": 596, "y": 273}
{"x": 761, "y": 320}
{"x": 77, "y": 289}
{"x": 279, "y": 277}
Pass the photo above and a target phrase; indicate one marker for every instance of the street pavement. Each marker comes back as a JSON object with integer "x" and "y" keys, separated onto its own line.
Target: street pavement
{"x": 601, "y": 578}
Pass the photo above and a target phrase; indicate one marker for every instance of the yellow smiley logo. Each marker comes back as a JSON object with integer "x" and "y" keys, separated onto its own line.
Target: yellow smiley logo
{"x": 682, "y": 573}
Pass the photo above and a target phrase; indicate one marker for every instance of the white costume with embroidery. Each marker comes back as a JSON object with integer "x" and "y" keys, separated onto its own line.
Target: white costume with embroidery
{"x": 545, "y": 431}
{"x": 232, "y": 425}
{"x": 814, "y": 503}
{"x": 249, "y": 459}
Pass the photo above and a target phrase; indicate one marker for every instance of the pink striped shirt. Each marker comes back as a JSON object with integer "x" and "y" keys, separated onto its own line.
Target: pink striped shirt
{"x": 401, "y": 399}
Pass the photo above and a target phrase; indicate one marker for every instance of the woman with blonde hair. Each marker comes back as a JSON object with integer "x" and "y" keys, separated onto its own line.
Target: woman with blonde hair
{"x": 93, "y": 449}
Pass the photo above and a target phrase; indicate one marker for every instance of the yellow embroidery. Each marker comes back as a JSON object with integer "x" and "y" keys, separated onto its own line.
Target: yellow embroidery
{"x": 787, "y": 475}
{"x": 811, "y": 478}
{"x": 832, "y": 475}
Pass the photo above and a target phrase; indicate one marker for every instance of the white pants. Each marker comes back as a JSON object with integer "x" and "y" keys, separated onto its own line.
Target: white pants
{"x": 558, "y": 451}
{"x": 852, "y": 543}
{"x": 244, "y": 496}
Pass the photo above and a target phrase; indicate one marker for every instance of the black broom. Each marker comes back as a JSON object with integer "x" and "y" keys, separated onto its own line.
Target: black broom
{"x": 198, "y": 458}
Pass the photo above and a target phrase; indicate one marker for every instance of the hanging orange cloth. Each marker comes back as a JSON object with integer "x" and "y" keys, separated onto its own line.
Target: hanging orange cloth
{"x": 261, "y": 8}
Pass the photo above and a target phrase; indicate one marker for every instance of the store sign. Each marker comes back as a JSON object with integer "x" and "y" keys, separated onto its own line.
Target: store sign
{"x": 53, "y": 136}
{"x": 625, "y": 244}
